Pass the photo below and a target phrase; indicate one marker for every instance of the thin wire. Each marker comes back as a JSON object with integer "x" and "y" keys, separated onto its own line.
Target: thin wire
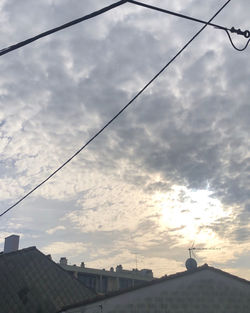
{"x": 119, "y": 113}
{"x": 236, "y": 48}
{"x": 246, "y": 33}
{"x": 110, "y": 7}
{"x": 54, "y": 30}
{"x": 176, "y": 14}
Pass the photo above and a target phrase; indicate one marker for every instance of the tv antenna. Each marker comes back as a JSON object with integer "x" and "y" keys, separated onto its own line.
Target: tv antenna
{"x": 191, "y": 250}
{"x": 191, "y": 263}
{"x": 136, "y": 260}
{"x": 139, "y": 259}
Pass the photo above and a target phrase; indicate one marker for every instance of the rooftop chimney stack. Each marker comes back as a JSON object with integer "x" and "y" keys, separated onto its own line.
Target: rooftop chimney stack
{"x": 63, "y": 261}
{"x": 11, "y": 244}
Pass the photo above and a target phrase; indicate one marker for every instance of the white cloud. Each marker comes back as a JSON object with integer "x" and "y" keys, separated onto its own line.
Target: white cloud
{"x": 51, "y": 231}
{"x": 61, "y": 248}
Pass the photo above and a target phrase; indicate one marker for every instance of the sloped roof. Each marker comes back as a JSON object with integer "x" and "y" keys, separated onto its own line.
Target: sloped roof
{"x": 31, "y": 282}
{"x": 155, "y": 282}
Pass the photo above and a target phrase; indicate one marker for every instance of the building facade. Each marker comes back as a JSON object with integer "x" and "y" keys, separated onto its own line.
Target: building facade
{"x": 205, "y": 289}
{"x": 106, "y": 281}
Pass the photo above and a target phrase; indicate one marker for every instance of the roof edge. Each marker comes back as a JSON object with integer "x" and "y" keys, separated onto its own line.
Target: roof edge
{"x": 154, "y": 282}
{"x": 18, "y": 251}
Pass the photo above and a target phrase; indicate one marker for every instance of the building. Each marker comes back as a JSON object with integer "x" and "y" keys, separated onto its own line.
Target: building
{"x": 202, "y": 289}
{"x": 30, "y": 282}
{"x": 106, "y": 281}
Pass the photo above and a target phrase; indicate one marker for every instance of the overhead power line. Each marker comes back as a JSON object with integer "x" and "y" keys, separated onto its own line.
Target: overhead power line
{"x": 234, "y": 46}
{"x": 119, "y": 113}
{"x": 245, "y": 33}
{"x": 57, "y": 29}
{"x": 176, "y": 14}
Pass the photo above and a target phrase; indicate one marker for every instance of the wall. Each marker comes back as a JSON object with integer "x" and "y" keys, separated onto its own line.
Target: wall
{"x": 205, "y": 291}
{"x": 103, "y": 282}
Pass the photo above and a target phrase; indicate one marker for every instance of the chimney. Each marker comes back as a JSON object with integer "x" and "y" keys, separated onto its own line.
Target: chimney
{"x": 63, "y": 261}
{"x": 11, "y": 244}
{"x": 49, "y": 256}
{"x": 119, "y": 268}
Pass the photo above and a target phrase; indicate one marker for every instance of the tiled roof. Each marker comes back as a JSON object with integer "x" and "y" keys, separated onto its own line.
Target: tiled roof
{"x": 32, "y": 283}
{"x": 154, "y": 282}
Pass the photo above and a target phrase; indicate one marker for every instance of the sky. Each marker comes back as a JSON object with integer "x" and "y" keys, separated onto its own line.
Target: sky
{"x": 173, "y": 171}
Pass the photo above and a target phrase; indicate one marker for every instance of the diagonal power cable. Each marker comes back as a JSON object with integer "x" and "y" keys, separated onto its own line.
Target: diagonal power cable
{"x": 245, "y": 33}
{"x": 54, "y": 30}
{"x": 148, "y": 6}
{"x": 119, "y": 113}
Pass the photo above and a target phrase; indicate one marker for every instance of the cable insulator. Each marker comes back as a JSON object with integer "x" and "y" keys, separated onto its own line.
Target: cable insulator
{"x": 238, "y": 31}
{"x": 231, "y": 41}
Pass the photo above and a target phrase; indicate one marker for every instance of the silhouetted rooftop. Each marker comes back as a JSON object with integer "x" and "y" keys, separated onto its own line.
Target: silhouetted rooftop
{"x": 30, "y": 282}
{"x": 158, "y": 281}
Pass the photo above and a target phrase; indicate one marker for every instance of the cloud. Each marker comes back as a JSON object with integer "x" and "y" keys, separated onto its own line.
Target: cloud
{"x": 109, "y": 208}
{"x": 51, "y": 231}
{"x": 65, "y": 248}
{"x": 189, "y": 130}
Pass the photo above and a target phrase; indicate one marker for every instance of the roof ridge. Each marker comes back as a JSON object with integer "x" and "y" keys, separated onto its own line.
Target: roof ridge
{"x": 153, "y": 282}
{"x": 18, "y": 251}
{"x": 228, "y": 274}
{"x": 61, "y": 268}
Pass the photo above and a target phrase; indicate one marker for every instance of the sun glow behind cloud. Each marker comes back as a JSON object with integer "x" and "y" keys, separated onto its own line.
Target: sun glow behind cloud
{"x": 187, "y": 211}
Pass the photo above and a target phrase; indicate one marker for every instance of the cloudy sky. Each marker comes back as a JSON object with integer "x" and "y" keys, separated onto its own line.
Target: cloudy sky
{"x": 172, "y": 170}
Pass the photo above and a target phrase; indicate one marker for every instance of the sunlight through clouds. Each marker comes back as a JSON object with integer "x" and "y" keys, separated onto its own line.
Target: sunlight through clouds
{"x": 188, "y": 211}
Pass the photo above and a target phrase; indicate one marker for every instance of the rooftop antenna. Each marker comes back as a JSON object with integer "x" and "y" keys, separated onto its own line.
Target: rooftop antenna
{"x": 191, "y": 262}
{"x": 136, "y": 259}
{"x": 191, "y": 250}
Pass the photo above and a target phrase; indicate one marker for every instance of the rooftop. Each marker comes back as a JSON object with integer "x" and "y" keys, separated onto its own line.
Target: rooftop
{"x": 32, "y": 283}
{"x": 144, "y": 274}
{"x": 161, "y": 280}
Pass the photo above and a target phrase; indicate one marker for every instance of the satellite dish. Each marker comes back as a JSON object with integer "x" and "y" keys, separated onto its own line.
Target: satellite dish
{"x": 191, "y": 264}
